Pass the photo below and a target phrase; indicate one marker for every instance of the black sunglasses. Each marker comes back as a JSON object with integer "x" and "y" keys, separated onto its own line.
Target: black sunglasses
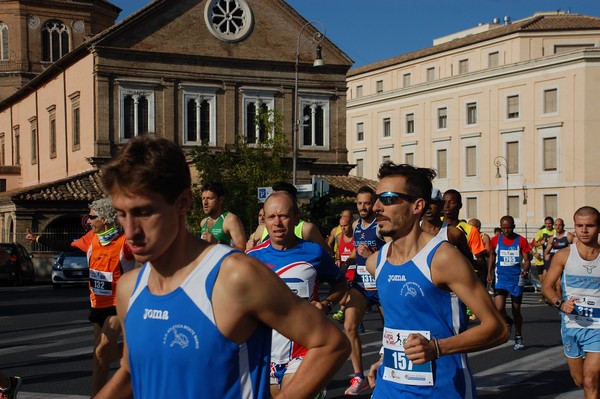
{"x": 391, "y": 197}
{"x": 92, "y": 217}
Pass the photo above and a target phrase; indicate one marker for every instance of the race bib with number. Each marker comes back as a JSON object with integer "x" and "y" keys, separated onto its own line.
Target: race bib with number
{"x": 509, "y": 257}
{"x": 298, "y": 287}
{"x": 101, "y": 282}
{"x": 368, "y": 281}
{"x": 396, "y": 366}
{"x": 586, "y": 313}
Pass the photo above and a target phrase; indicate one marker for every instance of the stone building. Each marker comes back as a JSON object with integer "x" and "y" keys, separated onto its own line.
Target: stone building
{"x": 186, "y": 70}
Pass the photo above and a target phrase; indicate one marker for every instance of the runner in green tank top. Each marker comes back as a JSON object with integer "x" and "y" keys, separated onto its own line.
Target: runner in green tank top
{"x": 220, "y": 226}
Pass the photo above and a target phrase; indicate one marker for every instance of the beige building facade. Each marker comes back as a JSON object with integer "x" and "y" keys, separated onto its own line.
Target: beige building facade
{"x": 518, "y": 100}
{"x": 185, "y": 70}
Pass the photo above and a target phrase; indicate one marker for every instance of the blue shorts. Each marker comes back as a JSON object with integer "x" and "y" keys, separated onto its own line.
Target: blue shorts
{"x": 577, "y": 341}
{"x": 371, "y": 295}
{"x": 504, "y": 288}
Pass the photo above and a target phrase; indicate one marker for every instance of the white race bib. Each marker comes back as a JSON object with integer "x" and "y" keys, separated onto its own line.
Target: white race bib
{"x": 101, "y": 282}
{"x": 396, "y": 366}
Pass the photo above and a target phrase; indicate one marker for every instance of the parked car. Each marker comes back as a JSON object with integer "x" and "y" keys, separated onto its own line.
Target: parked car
{"x": 70, "y": 267}
{"x": 16, "y": 266}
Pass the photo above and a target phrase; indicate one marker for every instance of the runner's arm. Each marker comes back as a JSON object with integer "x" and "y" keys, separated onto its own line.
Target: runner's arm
{"x": 310, "y": 232}
{"x": 233, "y": 227}
{"x": 553, "y": 274}
{"x": 461, "y": 280}
{"x": 262, "y": 297}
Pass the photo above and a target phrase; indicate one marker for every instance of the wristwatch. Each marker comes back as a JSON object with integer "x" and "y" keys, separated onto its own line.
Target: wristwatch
{"x": 558, "y": 303}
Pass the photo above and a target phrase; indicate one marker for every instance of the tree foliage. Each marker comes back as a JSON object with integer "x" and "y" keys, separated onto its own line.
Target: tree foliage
{"x": 242, "y": 168}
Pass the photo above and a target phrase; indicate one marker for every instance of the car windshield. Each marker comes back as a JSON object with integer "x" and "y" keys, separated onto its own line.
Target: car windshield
{"x": 75, "y": 252}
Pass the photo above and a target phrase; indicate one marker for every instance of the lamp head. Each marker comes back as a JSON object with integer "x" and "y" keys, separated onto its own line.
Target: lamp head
{"x": 319, "y": 59}
{"x": 498, "y": 175}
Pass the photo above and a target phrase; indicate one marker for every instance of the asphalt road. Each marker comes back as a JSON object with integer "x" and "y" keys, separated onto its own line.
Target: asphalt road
{"x": 46, "y": 339}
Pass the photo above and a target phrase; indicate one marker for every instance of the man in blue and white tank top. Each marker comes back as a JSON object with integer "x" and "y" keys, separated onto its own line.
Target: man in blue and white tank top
{"x": 578, "y": 268}
{"x": 508, "y": 266}
{"x": 424, "y": 337}
{"x": 363, "y": 292}
{"x": 198, "y": 317}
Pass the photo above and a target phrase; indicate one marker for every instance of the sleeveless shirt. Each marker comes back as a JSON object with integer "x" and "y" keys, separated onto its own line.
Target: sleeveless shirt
{"x": 177, "y": 351}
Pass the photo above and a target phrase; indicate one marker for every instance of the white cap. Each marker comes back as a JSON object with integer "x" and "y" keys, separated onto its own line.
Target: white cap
{"x": 436, "y": 195}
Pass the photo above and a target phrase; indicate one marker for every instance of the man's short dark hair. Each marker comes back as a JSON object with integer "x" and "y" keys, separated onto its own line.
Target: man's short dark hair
{"x": 455, "y": 193}
{"x": 215, "y": 187}
{"x": 366, "y": 189}
{"x": 549, "y": 218}
{"x": 148, "y": 163}
{"x": 418, "y": 180}
{"x": 285, "y": 186}
{"x": 586, "y": 211}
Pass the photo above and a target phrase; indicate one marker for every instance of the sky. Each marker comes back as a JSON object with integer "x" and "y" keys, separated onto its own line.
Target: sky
{"x": 373, "y": 30}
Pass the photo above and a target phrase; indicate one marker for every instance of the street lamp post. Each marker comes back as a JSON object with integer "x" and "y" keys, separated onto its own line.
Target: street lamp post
{"x": 502, "y": 161}
{"x": 317, "y": 37}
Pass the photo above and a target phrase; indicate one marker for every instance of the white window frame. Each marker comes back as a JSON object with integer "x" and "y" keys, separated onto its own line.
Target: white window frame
{"x": 312, "y": 100}
{"x": 543, "y": 101}
{"x": 443, "y": 144}
{"x": 470, "y": 213}
{"x": 4, "y": 45}
{"x": 467, "y": 122}
{"x": 547, "y": 133}
{"x": 437, "y": 117}
{"x": 385, "y": 119}
{"x": 506, "y": 116}
{"x": 357, "y": 124}
{"x": 259, "y": 97}
{"x": 199, "y": 94}
{"x": 136, "y": 89}
{"x": 409, "y": 148}
{"x": 414, "y": 123}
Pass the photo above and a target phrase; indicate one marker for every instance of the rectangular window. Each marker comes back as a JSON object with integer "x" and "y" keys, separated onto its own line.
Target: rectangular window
{"x": 52, "y": 130}
{"x": 406, "y": 80}
{"x": 409, "y": 158}
{"x": 442, "y": 118}
{"x": 34, "y": 140}
{"x": 512, "y": 107}
{"x": 551, "y": 204}
{"x": 430, "y": 74}
{"x": 514, "y": 206}
{"x": 471, "y": 163}
{"x": 2, "y": 150}
{"x": 359, "y": 91}
{"x": 53, "y": 138}
{"x": 360, "y": 131}
{"x": 386, "y": 158}
{"x": 75, "y": 121}
{"x": 379, "y": 86}
{"x": 550, "y": 154}
{"x": 471, "y": 113}
{"x": 387, "y": 127}
{"x": 410, "y": 123}
{"x": 2, "y": 185}
{"x": 315, "y": 114}
{"x": 136, "y": 111}
{"x": 442, "y": 164}
{"x": 16, "y": 132}
{"x": 471, "y": 208}
{"x": 550, "y": 101}
{"x": 463, "y": 66}
{"x": 360, "y": 165}
{"x": 512, "y": 155}
{"x": 493, "y": 59}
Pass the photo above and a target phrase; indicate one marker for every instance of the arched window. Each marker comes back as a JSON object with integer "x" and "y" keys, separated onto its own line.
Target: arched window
{"x": 3, "y": 41}
{"x": 55, "y": 41}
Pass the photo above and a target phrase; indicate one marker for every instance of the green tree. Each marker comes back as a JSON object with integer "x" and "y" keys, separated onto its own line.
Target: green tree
{"x": 242, "y": 168}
